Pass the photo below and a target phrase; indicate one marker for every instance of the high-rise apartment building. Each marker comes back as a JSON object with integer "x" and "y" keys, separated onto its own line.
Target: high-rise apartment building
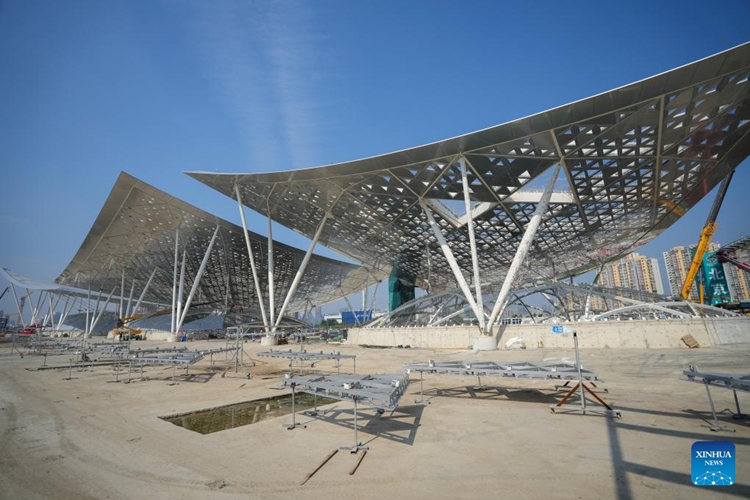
{"x": 634, "y": 271}
{"x": 677, "y": 261}
{"x": 738, "y": 281}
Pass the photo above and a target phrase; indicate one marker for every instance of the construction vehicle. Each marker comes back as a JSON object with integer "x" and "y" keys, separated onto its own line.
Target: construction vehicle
{"x": 705, "y": 239}
{"x": 123, "y": 332}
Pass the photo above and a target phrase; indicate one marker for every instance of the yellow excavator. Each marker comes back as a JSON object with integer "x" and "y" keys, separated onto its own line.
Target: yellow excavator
{"x": 705, "y": 239}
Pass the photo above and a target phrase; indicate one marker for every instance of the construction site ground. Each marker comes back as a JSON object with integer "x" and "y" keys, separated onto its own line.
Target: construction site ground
{"x": 94, "y": 438}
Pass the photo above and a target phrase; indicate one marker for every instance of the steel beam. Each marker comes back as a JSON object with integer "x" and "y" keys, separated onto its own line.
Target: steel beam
{"x": 18, "y": 305}
{"x": 68, "y": 306}
{"x": 270, "y": 272}
{"x": 145, "y": 289}
{"x": 101, "y": 313}
{"x": 181, "y": 287}
{"x": 523, "y": 250}
{"x": 198, "y": 277}
{"x": 174, "y": 279}
{"x": 256, "y": 281}
{"x": 451, "y": 260}
{"x": 88, "y": 307}
{"x": 472, "y": 243}
{"x": 301, "y": 270}
{"x": 130, "y": 298}
{"x": 122, "y": 293}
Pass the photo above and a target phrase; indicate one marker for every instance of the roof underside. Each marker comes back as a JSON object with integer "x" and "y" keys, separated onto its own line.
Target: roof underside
{"x": 635, "y": 159}
{"x": 135, "y": 232}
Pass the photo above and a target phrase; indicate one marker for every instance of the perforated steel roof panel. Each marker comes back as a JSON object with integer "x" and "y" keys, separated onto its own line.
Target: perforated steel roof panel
{"x": 635, "y": 159}
{"x": 135, "y": 231}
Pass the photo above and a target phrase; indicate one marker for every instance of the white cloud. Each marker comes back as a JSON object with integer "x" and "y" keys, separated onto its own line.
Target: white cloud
{"x": 263, "y": 58}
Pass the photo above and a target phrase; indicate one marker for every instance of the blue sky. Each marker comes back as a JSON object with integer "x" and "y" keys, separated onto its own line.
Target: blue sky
{"x": 156, "y": 88}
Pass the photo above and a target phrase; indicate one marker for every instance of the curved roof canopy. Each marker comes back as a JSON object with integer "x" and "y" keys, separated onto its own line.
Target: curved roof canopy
{"x": 633, "y": 161}
{"x": 135, "y": 234}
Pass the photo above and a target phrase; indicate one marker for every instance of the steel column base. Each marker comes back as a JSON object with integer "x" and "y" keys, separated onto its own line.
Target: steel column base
{"x": 269, "y": 340}
{"x": 484, "y": 343}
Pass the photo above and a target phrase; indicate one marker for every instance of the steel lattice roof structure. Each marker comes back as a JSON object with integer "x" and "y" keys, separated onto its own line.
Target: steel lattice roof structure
{"x": 633, "y": 161}
{"x": 135, "y": 234}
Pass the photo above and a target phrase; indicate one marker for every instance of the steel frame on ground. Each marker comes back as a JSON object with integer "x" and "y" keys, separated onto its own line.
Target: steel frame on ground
{"x": 380, "y": 391}
{"x": 733, "y": 381}
{"x": 302, "y": 355}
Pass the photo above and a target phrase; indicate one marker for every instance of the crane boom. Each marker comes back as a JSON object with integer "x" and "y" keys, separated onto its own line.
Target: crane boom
{"x": 708, "y": 231}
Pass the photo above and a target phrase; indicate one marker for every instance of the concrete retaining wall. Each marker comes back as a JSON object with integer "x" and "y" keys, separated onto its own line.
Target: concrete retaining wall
{"x": 600, "y": 334}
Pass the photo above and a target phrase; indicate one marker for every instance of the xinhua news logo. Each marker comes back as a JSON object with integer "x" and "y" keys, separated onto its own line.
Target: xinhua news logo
{"x": 712, "y": 463}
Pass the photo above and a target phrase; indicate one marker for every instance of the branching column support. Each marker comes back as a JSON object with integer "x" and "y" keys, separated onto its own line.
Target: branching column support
{"x": 120, "y": 311}
{"x": 68, "y": 306}
{"x": 101, "y": 313}
{"x": 197, "y": 279}
{"x": 96, "y": 309}
{"x": 51, "y": 310}
{"x": 35, "y": 310}
{"x": 88, "y": 307}
{"x": 523, "y": 250}
{"x": 451, "y": 260}
{"x": 349, "y": 305}
{"x": 130, "y": 298}
{"x": 18, "y": 305}
{"x": 145, "y": 289}
{"x": 473, "y": 243}
{"x": 256, "y": 282}
{"x": 301, "y": 270}
{"x": 181, "y": 288}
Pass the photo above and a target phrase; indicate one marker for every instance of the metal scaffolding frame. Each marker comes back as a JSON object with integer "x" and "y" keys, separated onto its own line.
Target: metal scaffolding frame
{"x": 732, "y": 381}
{"x": 380, "y": 391}
{"x": 479, "y": 369}
{"x": 303, "y": 356}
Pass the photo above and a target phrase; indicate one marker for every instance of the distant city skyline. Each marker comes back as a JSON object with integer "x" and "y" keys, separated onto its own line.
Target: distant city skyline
{"x": 641, "y": 272}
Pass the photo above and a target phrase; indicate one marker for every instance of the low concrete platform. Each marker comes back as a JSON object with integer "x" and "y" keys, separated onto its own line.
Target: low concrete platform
{"x": 92, "y": 438}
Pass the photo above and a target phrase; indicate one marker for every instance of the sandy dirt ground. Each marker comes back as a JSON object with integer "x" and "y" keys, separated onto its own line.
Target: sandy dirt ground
{"x": 94, "y": 438}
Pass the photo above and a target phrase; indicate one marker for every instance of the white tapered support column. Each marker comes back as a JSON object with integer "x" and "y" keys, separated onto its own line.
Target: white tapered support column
{"x": 181, "y": 288}
{"x": 88, "y": 307}
{"x": 35, "y": 310}
{"x": 96, "y": 310}
{"x": 101, "y": 313}
{"x": 351, "y": 309}
{"x": 120, "y": 312}
{"x": 451, "y": 260}
{"x": 300, "y": 271}
{"x": 18, "y": 306}
{"x": 130, "y": 299}
{"x": 523, "y": 249}
{"x": 270, "y": 273}
{"x": 50, "y": 311}
{"x": 68, "y": 306}
{"x": 145, "y": 289}
{"x": 174, "y": 281}
{"x": 198, "y": 277}
{"x": 472, "y": 243}
{"x": 250, "y": 254}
